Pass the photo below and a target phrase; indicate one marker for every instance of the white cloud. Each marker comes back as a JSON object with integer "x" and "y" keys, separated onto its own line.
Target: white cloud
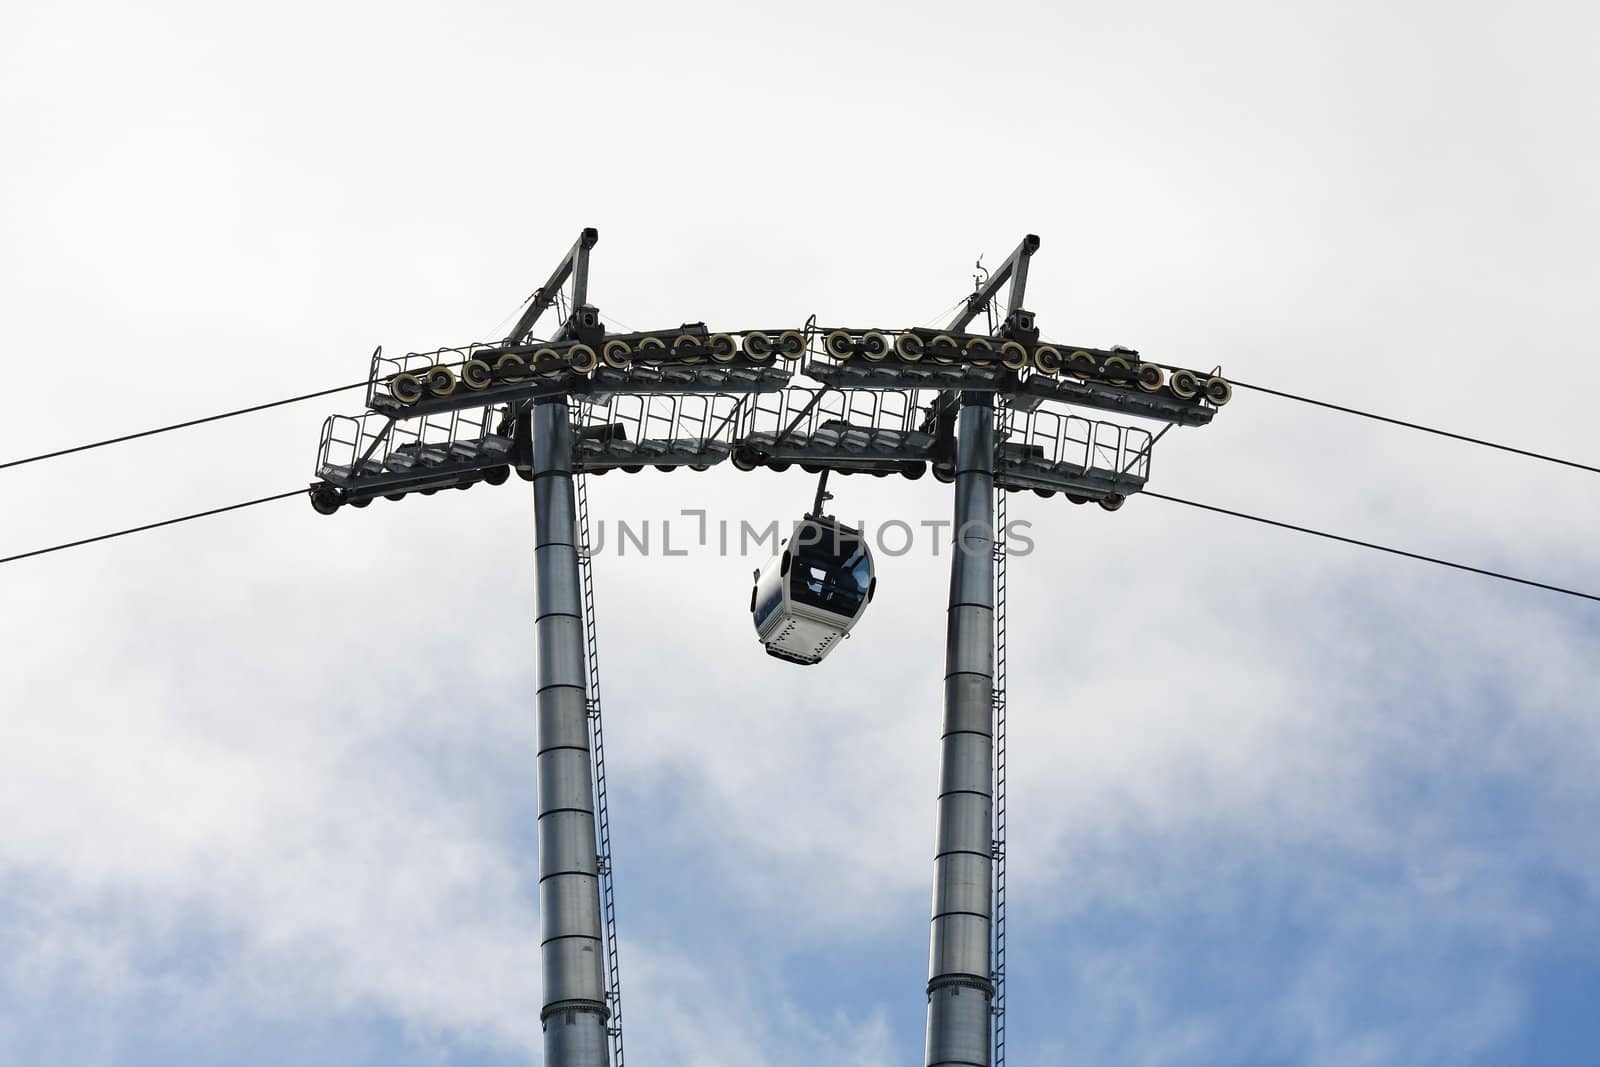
{"x": 306, "y": 742}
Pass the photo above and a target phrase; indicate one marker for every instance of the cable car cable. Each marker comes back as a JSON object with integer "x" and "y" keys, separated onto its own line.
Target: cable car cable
{"x": 180, "y": 425}
{"x": 152, "y": 526}
{"x": 1375, "y": 547}
{"x": 1527, "y": 453}
{"x": 1500, "y": 575}
{"x": 1414, "y": 426}
{"x": 511, "y": 315}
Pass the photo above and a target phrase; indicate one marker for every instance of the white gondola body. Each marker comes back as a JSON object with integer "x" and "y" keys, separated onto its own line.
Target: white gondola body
{"x": 806, "y": 600}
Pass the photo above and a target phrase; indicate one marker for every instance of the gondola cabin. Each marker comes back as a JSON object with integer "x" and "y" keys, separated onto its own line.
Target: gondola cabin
{"x": 806, "y": 600}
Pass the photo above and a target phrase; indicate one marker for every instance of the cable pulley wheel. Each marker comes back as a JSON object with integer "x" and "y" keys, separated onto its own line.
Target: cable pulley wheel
{"x": 441, "y": 380}
{"x": 758, "y": 346}
{"x": 791, "y": 344}
{"x": 1150, "y": 378}
{"x": 511, "y": 367}
{"x": 839, "y": 344}
{"x": 543, "y": 360}
{"x": 326, "y": 500}
{"x": 1218, "y": 391}
{"x": 652, "y": 350}
{"x": 406, "y": 388}
{"x": 1117, "y": 369}
{"x": 686, "y": 348}
{"x": 617, "y": 354}
{"x": 1184, "y": 384}
{"x": 476, "y": 374}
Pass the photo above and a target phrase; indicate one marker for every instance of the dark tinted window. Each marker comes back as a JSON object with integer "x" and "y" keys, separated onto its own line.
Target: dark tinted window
{"x": 832, "y": 573}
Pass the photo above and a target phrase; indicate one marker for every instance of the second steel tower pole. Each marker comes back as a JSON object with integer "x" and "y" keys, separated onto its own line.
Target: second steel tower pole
{"x": 574, "y": 1012}
{"x": 960, "y": 988}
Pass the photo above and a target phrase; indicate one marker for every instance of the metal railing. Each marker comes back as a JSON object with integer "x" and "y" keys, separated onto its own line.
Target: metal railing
{"x": 1057, "y": 437}
{"x": 659, "y": 423}
{"x": 375, "y": 442}
{"x": 802, "y": 411}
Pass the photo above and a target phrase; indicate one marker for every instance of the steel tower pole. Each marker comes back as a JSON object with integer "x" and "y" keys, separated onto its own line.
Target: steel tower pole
{"x": 574, "y": 1012}
{"x": 959, "y": 986}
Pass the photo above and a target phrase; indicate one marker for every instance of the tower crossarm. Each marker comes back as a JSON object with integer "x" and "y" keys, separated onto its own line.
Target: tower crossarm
{"x": 852, "y": 431}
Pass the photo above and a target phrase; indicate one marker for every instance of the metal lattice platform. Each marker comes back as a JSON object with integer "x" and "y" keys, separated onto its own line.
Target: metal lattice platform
{"x": 632, "y": 431}
{"x": 1084, "y": 459}
{"x": 378, "y": 455}
{"x": 871, "y": 431}
{"x": 850, "y": 430}
{"x": 738, "y": 377}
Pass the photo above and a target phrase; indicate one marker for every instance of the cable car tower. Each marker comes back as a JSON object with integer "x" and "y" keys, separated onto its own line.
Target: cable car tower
{"x": 1001, "y": 409}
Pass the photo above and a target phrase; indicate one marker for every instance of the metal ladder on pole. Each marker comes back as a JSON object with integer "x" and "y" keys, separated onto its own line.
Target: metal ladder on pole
{"x": 597, "y": 746}
{"x": 997, "y": 846}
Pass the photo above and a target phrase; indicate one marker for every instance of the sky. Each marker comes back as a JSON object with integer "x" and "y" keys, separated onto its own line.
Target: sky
{"x": 266, "y": 780}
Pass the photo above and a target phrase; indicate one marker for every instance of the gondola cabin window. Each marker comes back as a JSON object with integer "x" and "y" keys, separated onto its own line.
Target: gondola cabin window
{"x": 832, "y": 574}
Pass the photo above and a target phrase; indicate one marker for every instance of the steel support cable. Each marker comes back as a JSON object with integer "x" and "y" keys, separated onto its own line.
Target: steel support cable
{"x": 560, "y": 302}
{"x": 1527, "y": 453}
{"x": 511, "y": 315}
{"x": 1415, "y": 426}
{"x": 1500, "y": 575}
{"x": 939, "y": 316}
{"x": 188, "y": 423}
{"x": 1374, "y": 546}
{"x": 1359, "y": 413}
{"x": 613, "y": 320}
{"x": 152, "y": 525}
{"x": 182, "y": 425}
